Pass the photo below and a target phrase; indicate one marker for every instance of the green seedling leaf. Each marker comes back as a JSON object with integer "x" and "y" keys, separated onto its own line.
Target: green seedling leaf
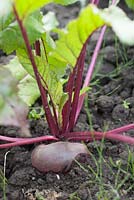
{"x": 84, "y": 90}
{"x": 12, "y": 110}
{"x": 130, "y": 3}
{"x": 25, "y": 8}
{"x": 34, "y": 114}
{"x": 120, "y": 23}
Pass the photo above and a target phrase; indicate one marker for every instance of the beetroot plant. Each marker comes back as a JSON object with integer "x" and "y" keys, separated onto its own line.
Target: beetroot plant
{"x": 53, "y": 70}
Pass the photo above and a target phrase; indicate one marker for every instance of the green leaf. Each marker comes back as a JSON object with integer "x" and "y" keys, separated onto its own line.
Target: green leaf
{"x": 26, "y": 63}
{"x": 59, "y": 57}
{"x": 8, "y": 85}
{"x": 130, "y": 3}
{"x": 48, "y": 43}
{"x": 11, "y": 37}
{"x": 28, "y": 90}
{"x": 5, "y": 8}
{"x": 6, "y": 20}
{"x": 120, "y": 23}
{"x": 84, "y": 90}
{"x": 72, "y": 39}
{"x": 12, "y": 110}
{"x": 49, "y": 21}
{"x": 65, "y": 2}
{"x": 24, "y": 8}
{"x": 6, "y": 15}
{"x": 36, "y": 113}
{"x": 16, "y": 68}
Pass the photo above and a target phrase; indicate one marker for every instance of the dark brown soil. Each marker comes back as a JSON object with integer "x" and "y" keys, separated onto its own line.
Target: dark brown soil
{"x": 110, "y": 105}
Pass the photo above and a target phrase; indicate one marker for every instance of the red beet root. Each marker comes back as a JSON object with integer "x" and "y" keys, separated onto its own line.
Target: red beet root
{"x": 56, "y": 157}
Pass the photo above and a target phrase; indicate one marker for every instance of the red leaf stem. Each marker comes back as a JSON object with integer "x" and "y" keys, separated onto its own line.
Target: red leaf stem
{"x": 96, "y": 2}
{"x": 90, "y": 71}
{"x": 10, "y": 139}
{"x": 101, "y": 135}
{"x": 24, "y": 141}
{"x": 37, "y": 48}
{"x": 114, "y": 134}
{"x": 121, "y": 129}
{"x": 67, "y": 107}
{"x": 78, "y": 83}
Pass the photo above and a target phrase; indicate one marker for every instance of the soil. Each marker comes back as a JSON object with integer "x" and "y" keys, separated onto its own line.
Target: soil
{"x": 110, "y": 104}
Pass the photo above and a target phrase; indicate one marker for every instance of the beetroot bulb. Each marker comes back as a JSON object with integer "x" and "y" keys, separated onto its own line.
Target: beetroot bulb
{"x": 56, "y": 157}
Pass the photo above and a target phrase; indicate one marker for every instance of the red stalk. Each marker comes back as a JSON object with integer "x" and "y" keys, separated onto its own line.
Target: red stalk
{"x": 24, "y": 141}
{"x": 90, "y": 70}
{"x": 99, "y": 136}
{"x": 114, "y": 134}
{"x": 95, "y": 2}
{"x": 49, "y": 117}
{"x": 121, "y": 129}
{"x": 10, "y": 139}
{"x": 78, "y": 83}
{"x": 67, "y": 107}
{"x": 37, "y": 48}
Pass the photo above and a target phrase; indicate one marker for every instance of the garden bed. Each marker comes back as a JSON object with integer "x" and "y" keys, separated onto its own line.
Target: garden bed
{"x": 108, "y": 173}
